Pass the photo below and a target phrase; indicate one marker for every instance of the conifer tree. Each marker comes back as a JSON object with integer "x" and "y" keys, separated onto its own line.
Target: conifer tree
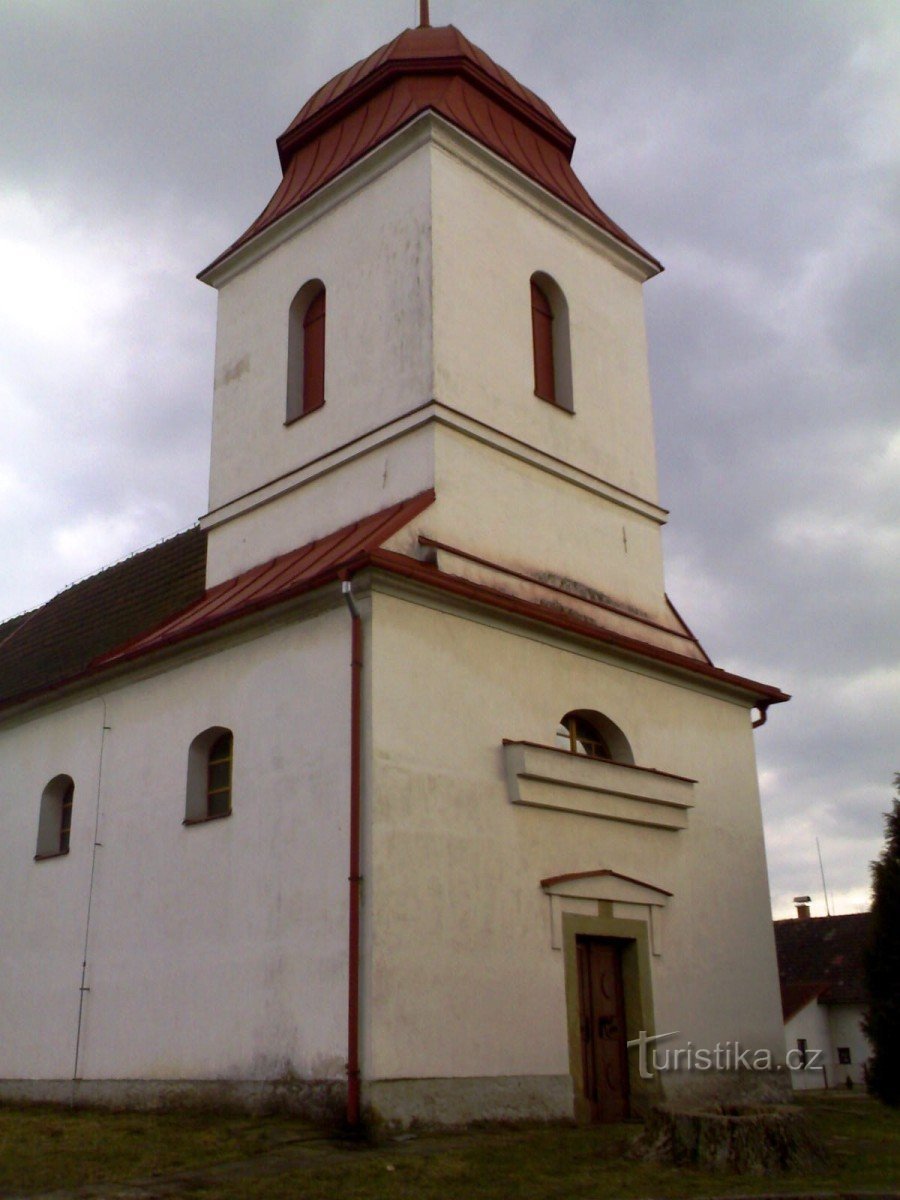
{"x": 882, "y": 961}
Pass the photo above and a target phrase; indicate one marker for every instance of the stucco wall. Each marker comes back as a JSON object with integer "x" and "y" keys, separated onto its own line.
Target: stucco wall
{"x": 509, "y": 511}
{"x": 464, "y": 980}
{"x": 214, "y": 951}
{"x": 810, "y": 1024}
{"x": 845, "y": 1028}
{"x": 373, "y": 253}
{"x": 487, "y": 245}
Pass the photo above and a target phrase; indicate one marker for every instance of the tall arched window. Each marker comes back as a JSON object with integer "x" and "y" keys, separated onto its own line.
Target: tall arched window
{"x": 306, "y": 351}
{"x": 584, "y": 731}
{"x": 550, "y": 342}
{"x": 55, "y": 820}
{"x": 209, "y": 781}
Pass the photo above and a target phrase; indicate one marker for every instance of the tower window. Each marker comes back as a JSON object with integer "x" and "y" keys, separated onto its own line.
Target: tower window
{"x": 209, "y": 782}
{"x": 594, "y": 735}
{"x": 550, "y": 342}
{"x": 55, "y": 820}
{"x": 306, "y": 351}
{"x": 542, "y": 336}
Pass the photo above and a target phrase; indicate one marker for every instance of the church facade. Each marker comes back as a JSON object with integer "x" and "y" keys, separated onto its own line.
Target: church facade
{"x": 397, "y": 783}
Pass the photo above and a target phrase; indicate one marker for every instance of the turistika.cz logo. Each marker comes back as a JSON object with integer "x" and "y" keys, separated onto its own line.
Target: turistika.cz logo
{"x": 724, "y": 1056}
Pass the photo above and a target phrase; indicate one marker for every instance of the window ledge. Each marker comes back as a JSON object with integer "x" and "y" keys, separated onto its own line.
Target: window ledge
{"x": 570, "y": 412}
{"x": 547, "y": 777}
{"x": 50, "y": 854}
{"x": 308, "y": 412}
{"x": 206, "y": 820}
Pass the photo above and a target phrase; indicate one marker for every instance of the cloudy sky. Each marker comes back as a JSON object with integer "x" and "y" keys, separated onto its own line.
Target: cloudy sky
{"x": 751, "y": 145}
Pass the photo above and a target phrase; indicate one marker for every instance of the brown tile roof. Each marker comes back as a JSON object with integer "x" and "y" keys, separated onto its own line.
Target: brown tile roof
{"x": 821, "y": 956}
{"x": 282, "y": 578}
{"x": 435, "y": 69}
{"x": 58, "y": 641}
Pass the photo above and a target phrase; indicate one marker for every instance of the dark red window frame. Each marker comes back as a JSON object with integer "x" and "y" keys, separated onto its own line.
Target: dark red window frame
{"x": 542, "y": 338}
{"x": 314, "y": 354}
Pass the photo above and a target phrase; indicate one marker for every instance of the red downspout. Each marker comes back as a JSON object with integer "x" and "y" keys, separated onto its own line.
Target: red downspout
{"x": 355, "y": 878}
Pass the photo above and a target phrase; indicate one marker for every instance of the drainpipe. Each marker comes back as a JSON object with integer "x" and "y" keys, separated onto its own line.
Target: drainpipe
{"x": 355, "y": 878}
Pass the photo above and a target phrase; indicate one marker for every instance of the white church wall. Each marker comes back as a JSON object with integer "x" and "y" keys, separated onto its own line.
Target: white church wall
{"x": 373, "y": 253}
{"x": 494, "y": 505}
{"x": 487, "y": 245}
{"x": 332, "y": 494}
{"x": 215, "y": 951}
{"x": 464, "y": 980}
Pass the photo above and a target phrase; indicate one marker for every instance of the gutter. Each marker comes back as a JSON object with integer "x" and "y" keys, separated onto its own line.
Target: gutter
{"x": 355, "y": 877}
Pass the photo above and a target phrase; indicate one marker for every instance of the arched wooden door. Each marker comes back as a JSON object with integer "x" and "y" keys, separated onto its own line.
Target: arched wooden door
{"x": 601, "y": 1001}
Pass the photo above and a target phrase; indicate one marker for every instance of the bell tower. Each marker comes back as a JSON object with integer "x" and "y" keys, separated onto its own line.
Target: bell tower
{"x": 478, "y": 330}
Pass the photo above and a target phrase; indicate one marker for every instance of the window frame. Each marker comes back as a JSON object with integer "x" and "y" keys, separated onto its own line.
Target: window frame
{"x": 551, "y": 343}
{"x": 200, "y": 807}
{"x": 586, "y": 727}
{"x": 55, "y": 818}
{"x": 306, "y": 361}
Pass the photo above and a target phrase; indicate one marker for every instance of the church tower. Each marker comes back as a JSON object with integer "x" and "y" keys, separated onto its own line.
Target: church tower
{"x": 428, "y": 762}
{"x": 480, "y": 332}
{"x": 561, "y": 789}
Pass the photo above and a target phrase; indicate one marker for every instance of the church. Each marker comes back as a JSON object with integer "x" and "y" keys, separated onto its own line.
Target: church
{"x": 397, "y": 785}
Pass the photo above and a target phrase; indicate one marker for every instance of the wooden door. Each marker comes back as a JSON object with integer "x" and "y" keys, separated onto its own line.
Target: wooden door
{"x": 601, "y": 1002}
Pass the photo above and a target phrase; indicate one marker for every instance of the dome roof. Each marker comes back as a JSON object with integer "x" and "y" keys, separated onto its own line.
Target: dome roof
{"x": 440, "y": 70}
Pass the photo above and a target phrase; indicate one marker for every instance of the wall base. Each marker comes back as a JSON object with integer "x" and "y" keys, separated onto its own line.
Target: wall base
{"x": 321, "y": 1100}
{"x": 459, "y": 1101}
{"x": 708, "y": 1088}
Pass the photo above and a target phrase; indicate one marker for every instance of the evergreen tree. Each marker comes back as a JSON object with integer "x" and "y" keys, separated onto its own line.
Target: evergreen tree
{"x": 882, "y": 1021}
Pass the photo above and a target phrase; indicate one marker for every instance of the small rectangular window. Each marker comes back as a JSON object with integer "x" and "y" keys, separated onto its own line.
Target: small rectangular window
{"x": 844, "y": 1055}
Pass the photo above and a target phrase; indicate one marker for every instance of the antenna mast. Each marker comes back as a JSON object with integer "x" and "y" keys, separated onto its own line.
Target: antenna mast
{"x": 822, "y": 869}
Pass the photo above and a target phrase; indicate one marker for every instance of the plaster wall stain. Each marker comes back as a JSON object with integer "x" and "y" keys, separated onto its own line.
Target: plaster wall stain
{"x": 234, "y": 371}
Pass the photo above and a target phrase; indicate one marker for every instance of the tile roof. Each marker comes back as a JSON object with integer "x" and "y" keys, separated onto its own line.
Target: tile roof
{"x": 821, "y": 957}
{"x": 156, "y": 599}
{"x": 58, "y": 641}
{"x": 281, "y": 579}
{"x": 435, "y": 69}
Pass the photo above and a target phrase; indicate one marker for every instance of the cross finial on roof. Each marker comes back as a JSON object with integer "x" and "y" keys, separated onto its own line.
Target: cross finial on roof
{"x": 424, "y": 21}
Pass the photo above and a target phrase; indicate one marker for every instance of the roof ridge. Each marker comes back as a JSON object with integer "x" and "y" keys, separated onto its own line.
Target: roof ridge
{"x": 109, "y": 567}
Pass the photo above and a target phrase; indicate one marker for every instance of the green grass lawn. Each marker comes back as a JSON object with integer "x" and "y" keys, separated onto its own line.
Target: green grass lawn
{"x": 241, "y": 1158}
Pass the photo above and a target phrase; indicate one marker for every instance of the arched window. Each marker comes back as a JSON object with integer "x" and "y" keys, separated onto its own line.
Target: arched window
{"x": 550, "y": 342}
{"x": 306, "y": 351}
{"x": 55, "y": 820}
{"x": 591, "y": 733}
{"x": 209, "y": 781}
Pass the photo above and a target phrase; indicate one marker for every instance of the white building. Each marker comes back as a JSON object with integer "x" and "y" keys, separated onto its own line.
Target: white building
{"x": 420, "y": 639}
{"x": 823, "y": 997}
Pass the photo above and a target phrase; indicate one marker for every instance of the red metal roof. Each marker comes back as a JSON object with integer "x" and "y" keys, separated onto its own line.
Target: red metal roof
{"x": 411, "y": 48}
{"x": 139, "y": 600}
{"x": 435, "y": 69}
{"x": 280, "y": 579}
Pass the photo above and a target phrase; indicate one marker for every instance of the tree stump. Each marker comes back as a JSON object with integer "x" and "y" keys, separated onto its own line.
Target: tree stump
{"x": 747, "y": 1139}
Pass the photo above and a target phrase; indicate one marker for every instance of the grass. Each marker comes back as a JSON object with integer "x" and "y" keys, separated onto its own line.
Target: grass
{"x": 44, "y": 1147}
{"x": 235, "y": 1158}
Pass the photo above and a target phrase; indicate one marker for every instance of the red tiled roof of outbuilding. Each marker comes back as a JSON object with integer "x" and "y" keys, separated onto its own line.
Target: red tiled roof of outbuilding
{"x": 440, "y": 70}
